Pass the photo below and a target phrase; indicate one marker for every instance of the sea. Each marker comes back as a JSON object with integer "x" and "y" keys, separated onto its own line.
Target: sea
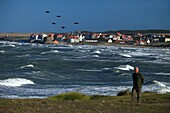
{"x": 29, "y": 70}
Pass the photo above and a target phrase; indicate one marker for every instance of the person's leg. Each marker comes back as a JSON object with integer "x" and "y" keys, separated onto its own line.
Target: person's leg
{"x": 132, "y": 95}
{"x": 139, "y": 93}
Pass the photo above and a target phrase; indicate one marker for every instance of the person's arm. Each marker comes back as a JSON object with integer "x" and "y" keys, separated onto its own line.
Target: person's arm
{"x": 142, "y": 78}
{"x": 133, "y": 76}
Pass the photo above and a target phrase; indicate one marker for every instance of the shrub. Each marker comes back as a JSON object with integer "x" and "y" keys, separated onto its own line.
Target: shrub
{"x": 70, "y": 96}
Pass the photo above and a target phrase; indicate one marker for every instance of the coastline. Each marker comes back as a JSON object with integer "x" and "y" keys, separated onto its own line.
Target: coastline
{"x": 151, "y": 102}
{"x": 24, "y": 37}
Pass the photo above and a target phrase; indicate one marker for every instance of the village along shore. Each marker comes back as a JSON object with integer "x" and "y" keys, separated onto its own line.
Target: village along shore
{"x": 139, "y": 38}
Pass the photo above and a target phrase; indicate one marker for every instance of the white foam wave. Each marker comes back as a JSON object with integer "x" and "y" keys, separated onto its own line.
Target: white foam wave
{"x": 27, "y": 66}
{"x": 96, "y": 56}
{"x": 140, "y": 54}
{"x": 45, "y": 52}
{"x": 162, "y": 73}
{"x": 97, "y": 52}
{"x": 15, "y": 82}
{"x": 8, "y": 45}
{"x": 166, "y": 58}
{"x": 106, "y": 68}
{"x": 126, "y": 55}
{"x": 2, "y": 51}
{"x": 125, "y": 67}
{"x": 163, "y": 90}
{"x": 52, "y": 51}
{"x": 11, "y": 45}
{"x": 26, "y": 55}
{"x": 103, "y": 90}
{"x": 89, "y": 70}
{"x": 155, "y": 83}
{"x": 156, "y": 86}
{"x": 159, "y": 83}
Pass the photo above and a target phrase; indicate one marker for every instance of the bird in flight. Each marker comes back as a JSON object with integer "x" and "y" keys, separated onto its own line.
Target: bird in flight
{"x": 47, "y": 11}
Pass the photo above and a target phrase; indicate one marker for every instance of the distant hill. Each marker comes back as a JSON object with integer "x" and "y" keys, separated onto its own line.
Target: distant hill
{"x": 136, "y": 31}
{"x": 130, "y": 32}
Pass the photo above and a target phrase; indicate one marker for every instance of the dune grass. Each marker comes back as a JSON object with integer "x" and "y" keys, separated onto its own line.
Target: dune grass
{"x": 79, "y": 103}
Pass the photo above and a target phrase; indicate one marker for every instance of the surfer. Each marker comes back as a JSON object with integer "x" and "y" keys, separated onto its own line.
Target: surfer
{"x": 138, "y": 81}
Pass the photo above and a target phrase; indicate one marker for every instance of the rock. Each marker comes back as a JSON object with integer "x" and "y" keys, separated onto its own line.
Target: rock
{"x": 125, "y": 92}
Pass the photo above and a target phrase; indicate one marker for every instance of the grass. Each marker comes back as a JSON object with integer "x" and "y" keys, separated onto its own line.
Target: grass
{"x": 79, "y": 103}
{"x": 70, "y": 96}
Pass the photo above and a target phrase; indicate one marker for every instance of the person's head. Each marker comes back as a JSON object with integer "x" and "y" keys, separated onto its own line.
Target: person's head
{"x": 136, "y": 69}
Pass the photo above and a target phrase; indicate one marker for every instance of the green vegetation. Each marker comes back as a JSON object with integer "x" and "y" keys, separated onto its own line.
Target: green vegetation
{"x": 80, "y": 103}
{"x": 70, "y": 96}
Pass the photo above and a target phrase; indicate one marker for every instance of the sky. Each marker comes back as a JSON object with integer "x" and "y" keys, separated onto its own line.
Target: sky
{"x": 92, "y": 15}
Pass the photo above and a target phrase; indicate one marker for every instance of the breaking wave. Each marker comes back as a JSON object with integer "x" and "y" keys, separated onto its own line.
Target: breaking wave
{"x": 96, "y": 56}
{"x": 2, "y": 51}
{"x": 154, "y": 82}
{"x": 7, "y": 44}
{"x": 27, "y": 66}
{"x": 125, "y": 67}
{"x": 126, "y": 55}
{"x": 89, "y": 70}
{"x": 97, "y": 52}
{"x": 52, "y": 51}
{"x": 15, "y": 82}
{"x": 156, "y": 86}
{"x": 162, "y": 73}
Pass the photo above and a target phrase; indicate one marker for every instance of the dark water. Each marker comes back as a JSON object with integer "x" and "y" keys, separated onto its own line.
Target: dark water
{"x": 38, "y": 71}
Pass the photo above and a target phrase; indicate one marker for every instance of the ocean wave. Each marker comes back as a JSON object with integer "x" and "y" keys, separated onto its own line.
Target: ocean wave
{"x": 162, "y": 73}
{"x": 166, "y": 58}
{"x": 9, "y": 45}
{"x": 156, "y": 86}
{"x": 125, "y": 55}
{"x": 103, "y": 90}
{"x": 97, "y": 52}
{"x": 63, "y": 47}
{"x": 21, "y": 56}
{"x": 140, "y": 54}
{"x": 27, "y": 66}
{"x": 52, "y": 51}
{"x": 89, "y": 70}
{"x": 2, "y": 51}
{"x": 96, "y": 56}
{"x": 155, "y": 83}
{"x": 106, "y": 69}
{"x": 125, "y": 67}
{"x": 163, "y": 90}
{"x": 15, "y": 82}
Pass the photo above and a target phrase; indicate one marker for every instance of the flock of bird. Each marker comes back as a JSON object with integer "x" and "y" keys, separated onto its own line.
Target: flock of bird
{"x": 58, "y": 16}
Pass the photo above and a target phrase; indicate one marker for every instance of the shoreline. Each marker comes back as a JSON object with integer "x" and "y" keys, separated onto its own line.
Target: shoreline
{"x": 24, "y": 37}
{"x": 151, "y": 102}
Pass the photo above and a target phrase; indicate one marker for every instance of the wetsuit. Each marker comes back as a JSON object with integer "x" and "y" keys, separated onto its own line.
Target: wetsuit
{"x": 138, "y": 80}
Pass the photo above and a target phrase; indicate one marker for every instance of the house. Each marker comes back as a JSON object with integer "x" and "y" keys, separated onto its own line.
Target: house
{"x": 49, "y": 39}
{"x": 34, "y": 38}
{"x": 110, "y": 41}
{"x": 167, "y": 39}
{"x": 43, "y": 39}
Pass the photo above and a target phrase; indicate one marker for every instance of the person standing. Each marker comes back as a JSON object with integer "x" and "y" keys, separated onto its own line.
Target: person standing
{"x": 138, "y": 81}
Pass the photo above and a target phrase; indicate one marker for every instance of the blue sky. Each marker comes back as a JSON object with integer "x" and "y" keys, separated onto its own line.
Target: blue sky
{"x": 93, "y": 15}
